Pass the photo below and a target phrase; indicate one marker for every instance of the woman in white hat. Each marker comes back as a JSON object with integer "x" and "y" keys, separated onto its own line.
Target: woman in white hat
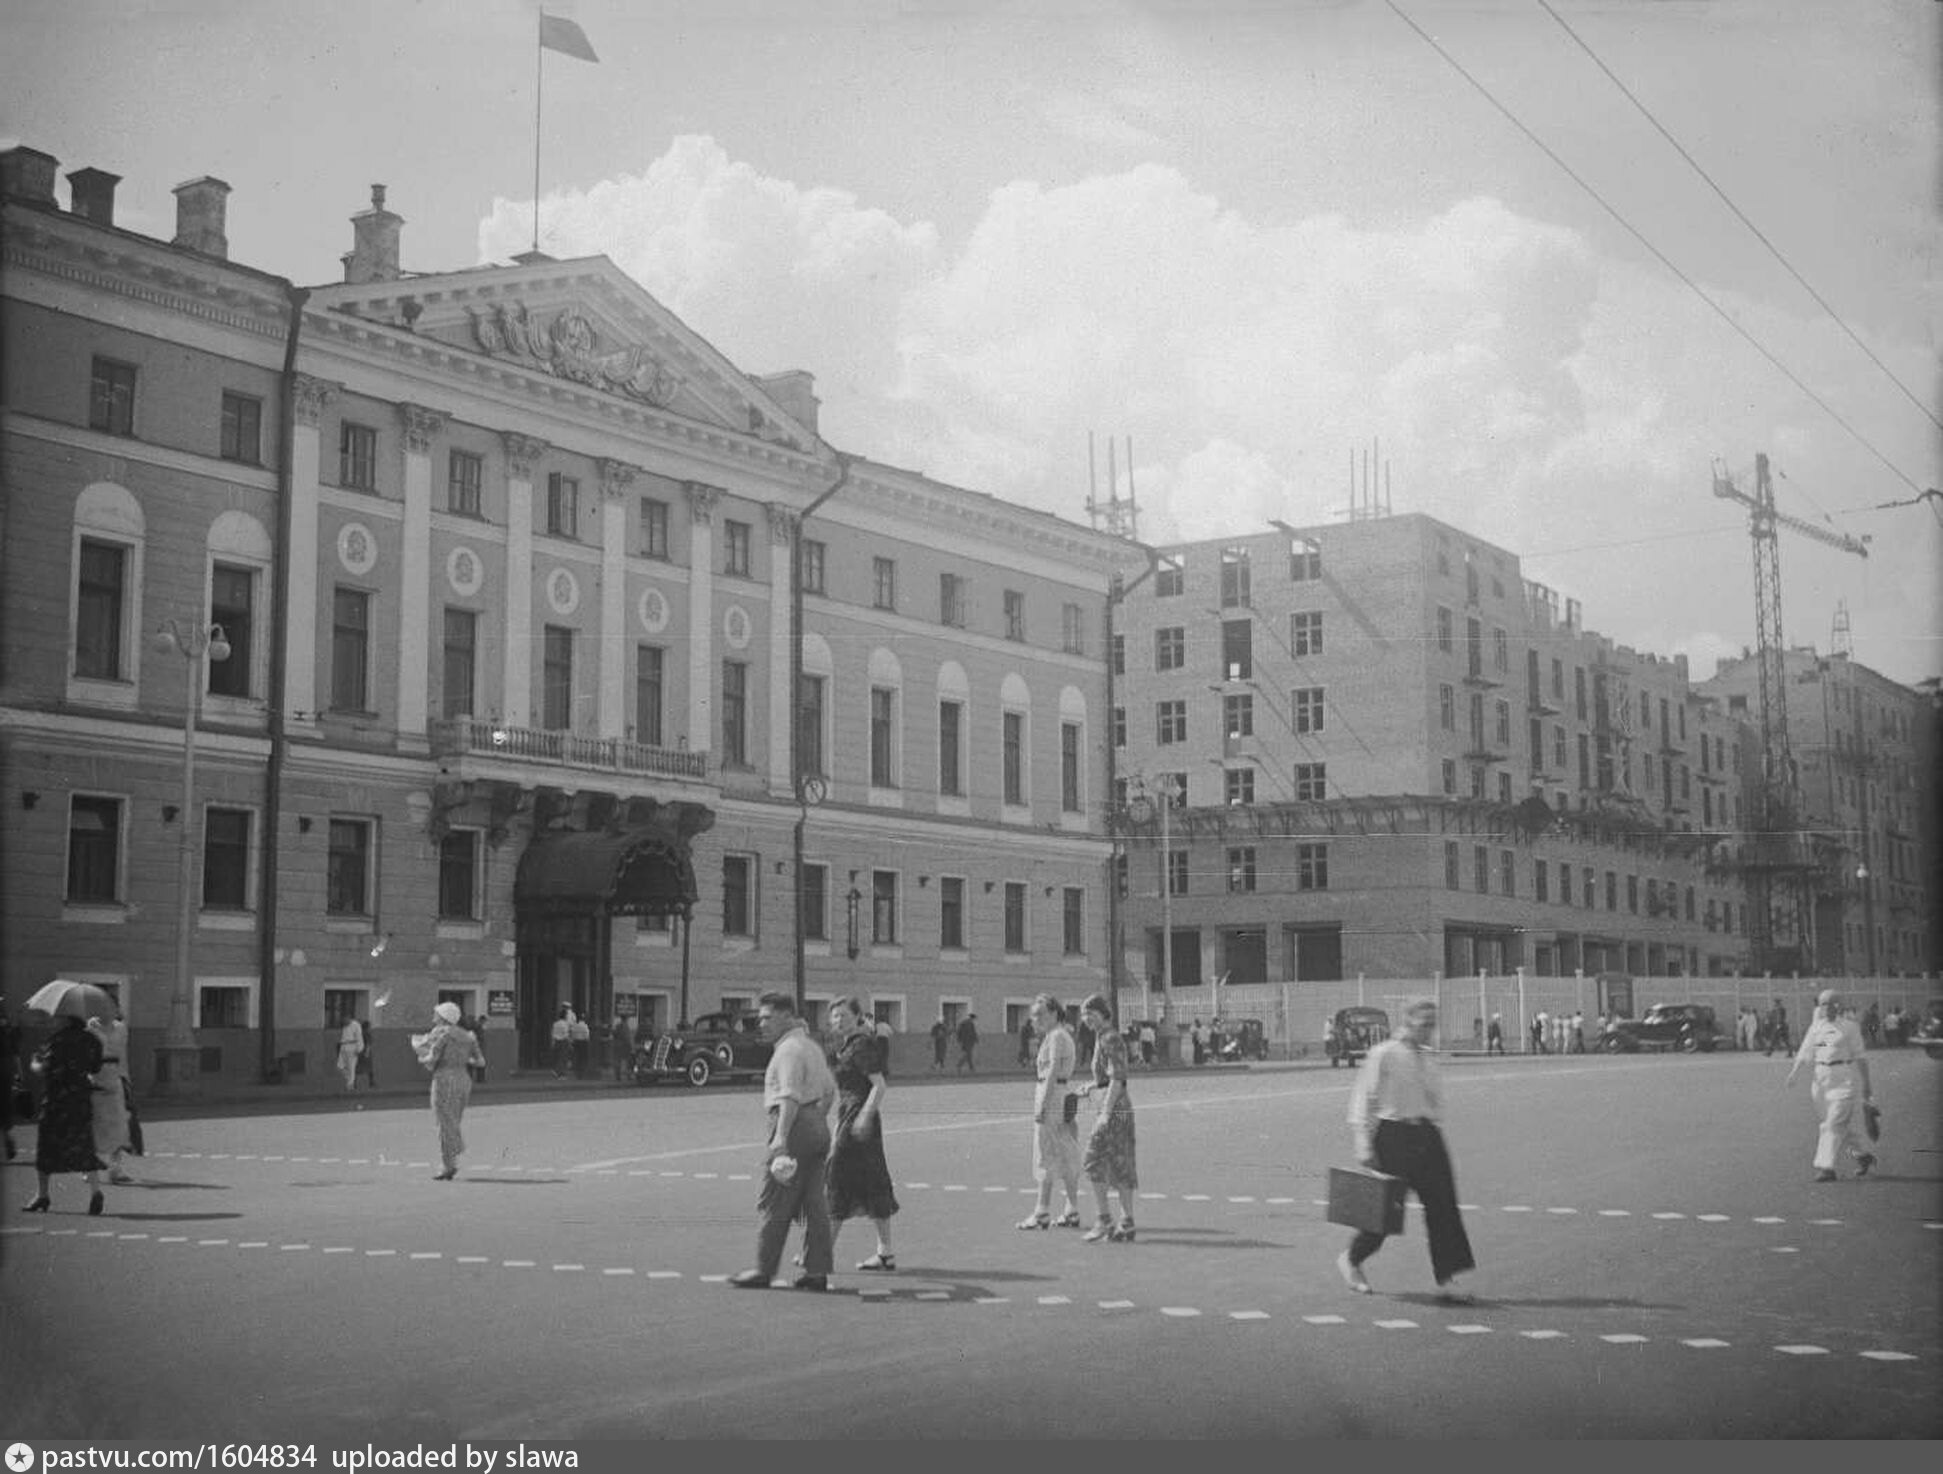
{"x": 449, "y": 1051}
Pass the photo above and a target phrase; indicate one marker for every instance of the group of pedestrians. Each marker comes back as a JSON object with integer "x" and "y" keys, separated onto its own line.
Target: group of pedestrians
{"x": 88, "y": 1121}
{"x": 1109, "y": 1160}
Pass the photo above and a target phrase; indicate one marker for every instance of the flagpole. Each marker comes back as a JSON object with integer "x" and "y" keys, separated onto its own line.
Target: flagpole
{"x": 539, "y": 81}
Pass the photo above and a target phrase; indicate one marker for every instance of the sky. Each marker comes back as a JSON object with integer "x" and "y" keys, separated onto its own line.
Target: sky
{"x": 1252, "y": 238}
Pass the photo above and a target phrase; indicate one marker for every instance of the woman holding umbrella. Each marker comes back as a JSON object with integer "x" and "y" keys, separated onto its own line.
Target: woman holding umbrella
{"x": 66, "y": 1064}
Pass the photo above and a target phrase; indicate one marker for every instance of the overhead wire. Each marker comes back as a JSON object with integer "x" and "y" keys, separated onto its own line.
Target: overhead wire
{"x": 1657, "y": 254}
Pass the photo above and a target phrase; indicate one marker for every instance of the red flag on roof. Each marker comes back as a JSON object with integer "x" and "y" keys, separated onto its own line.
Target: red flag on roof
{"x": 557, "y": 33}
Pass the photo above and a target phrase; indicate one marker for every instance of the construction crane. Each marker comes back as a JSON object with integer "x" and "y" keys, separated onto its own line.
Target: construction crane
{"x": 1777, "y": 853}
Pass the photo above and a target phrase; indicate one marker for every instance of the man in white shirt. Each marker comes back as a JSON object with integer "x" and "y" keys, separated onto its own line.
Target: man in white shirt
{"x": 1393, "y": 1114}
{"x": 797, "y": 1090}
{"x": 1833, "y": 1044}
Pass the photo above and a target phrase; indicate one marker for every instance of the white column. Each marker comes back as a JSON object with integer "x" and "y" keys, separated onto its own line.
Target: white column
{"x": 701, "y": 615}
{"x": 301, "y": 697}
{"x": 611, "y": 720}
{"x": 517, "y": 680}
{"x": 782, "y": 547}
{"x": 415, "y": 577}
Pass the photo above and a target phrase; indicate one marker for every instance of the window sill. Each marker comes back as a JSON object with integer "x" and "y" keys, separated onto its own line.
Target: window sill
{"x": 1014, "y": 814}
{"x": 351, "y": 925}
{"x": 738, "y": 944}
{"x": 460, "y": 931}
{"x": 954, "y": 954}
{"x": 885, "y": 798}
{"x": 1018, "y": 959}
{"x": 957, "y": 806}
{"x": 93, "y": 691}
{"x": 95, "y": 913}
{"x": 816, "y": 947}
{"x": 890, "y": 951}
{"x": 226, "y": 921}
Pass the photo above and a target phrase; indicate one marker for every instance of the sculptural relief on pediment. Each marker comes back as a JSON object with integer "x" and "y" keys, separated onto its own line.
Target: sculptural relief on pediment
{"x": 567, "y": 346}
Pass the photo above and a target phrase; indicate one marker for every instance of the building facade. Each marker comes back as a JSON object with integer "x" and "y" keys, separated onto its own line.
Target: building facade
{"x": 505, "y": 566}
{"x": 1391, "y": 754}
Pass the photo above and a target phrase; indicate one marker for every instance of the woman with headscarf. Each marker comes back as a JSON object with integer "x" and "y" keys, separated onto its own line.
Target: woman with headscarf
{"x": 66, "y": 1064}
{"x": 860, "y": 1180}
{"x": 449, "y": 1052}
{"x": 1109, "y": 1160}
{"x": 1055, "y": 1116}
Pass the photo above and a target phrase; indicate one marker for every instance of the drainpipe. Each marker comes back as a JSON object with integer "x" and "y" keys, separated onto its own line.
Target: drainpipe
{"x": 799, "y": 780}
{"x": 269, "y": 1066}
{"x": 1116, "y": 595}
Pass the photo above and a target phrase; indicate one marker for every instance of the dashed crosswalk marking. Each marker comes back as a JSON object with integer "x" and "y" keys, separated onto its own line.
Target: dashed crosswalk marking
{"x": 1784, "y": 1249}
{"x": 1397, "y": 1325}
{"x": 1516, "y": 1208}
{"x": 428, "y": 1254}
{"x": 1179, "y": 1312}
{"x": 1615, "y": 1213}
{"x": 1826, "y": 1222}
{"x": 1705, "y": 1343}
{"x": 1326, "y": 1320}
{"x": 1802, "y": 1350}
{"x": 472, "y": 1259}
{"x": 1668, "y": 1217}
{"x": 1469, "y": 1330}
{"x": 1561, "y": 1210}
{"x": 1542, "y": 1335}
{"x": 1054, "y": 1300}
{"x": 1623, "y": 1338}
{"x": 1116, "y": 1305}
{"x": 1886, "y": 1355}
{"x": 380, "y": 1253}
{"x": 1248, "y": 1315}
{"x": 1711, "y": 1217}
{"x": 622, "y": 1270}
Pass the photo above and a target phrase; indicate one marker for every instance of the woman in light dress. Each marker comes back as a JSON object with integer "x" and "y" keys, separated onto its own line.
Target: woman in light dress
{"x": 449, "y": 1052}
{"x": 113, "y": 1132}
{"x": 350, "y": 1044}
{"x": 1055, "y": 1116}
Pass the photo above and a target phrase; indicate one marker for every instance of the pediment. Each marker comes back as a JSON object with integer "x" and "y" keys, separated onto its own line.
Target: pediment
{"x": 585, "y": 322}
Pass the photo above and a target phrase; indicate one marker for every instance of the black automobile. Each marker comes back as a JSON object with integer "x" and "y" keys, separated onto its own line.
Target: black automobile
{"x": 717, "y": 1046}
{"x": 1353, "y": 1033}
{"x": 1687, "y": 1027}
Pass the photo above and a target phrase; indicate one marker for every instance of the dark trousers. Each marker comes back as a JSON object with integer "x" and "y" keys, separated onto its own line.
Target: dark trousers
{"x": 1414, "y": 1151}
{"x": 806, "y": 1195}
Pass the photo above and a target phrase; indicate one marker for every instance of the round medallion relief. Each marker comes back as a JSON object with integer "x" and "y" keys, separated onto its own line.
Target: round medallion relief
{"x": 357, "y": 549}
{"x": 736, "y": 626}
{"x": 653, "y": 611}
{"x": 464, "y": 571}
{"x": 562, "y": 591}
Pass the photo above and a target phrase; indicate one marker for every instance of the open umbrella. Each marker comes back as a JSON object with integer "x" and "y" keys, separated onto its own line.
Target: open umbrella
{"x": 63, "y": 998}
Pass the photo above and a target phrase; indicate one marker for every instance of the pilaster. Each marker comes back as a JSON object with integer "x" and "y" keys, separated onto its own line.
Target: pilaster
{"x": 701, "y": 615}
{"x": 415, "y": 576}
{"x": 522, "y": 455}
{"x": 782, "y": 553}
{"x": 301, "y": 674}
{"x": 612, "y": 716}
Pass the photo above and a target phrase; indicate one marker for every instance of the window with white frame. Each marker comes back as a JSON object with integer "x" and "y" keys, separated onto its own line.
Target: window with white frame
{"x": 459, "y": 663}
{"x": 101, "y": 610}
{"x": 951, "y": 600}
{"x": 465, "y": 475}
{"x": 1306, "y": 707}
{"x": 1072, "y": 928}
{"x": 357, "y": 456}
{"x": 94, "y": 849}
{"x": 1072, "y": 629}
{"x": 1170, "y": 647}
{"x": 226, "y": 865}
{"x": 1238, "y": 715}
{"x": 556, "y": 677}
{"x": 562, "y": 505}
{"x": 1311, "y": 782}
{"x": 883, "y": 575}
{"x": 350, "y": 649}
{"x": 232, "y": 604}
{"x": 951, "y": 913}
{"x": 1305, "y": 632}
{"x": 1170, "y": 576}
{"x": 1170, "y": 722}
{"x": 1069, "y": 774}
{"x": 883, "y": 737}
{"x": 1312, "y": 867}
{"x": 654, "y": 528}
{"x": 951, "y": 724}
{"x": 1237, "y": 649}
{"x": 1014, "y": 614}
{"x": 650, "y": 664}
{"x": 1234, "y": 577}
{"x": 349, "y": 869}
{"x": 1012, "y": 757}
{"x": 738, "y": 896}
{"x": 1238, "y": 785}
{"x": 883, "y": 908}
{"x": 1177, "y": 872}
{"x": 1241, "y": 869}
{"x": 735, "y": 548}
{"x": 111, "y": 397}
{"x": 1015, "y": 917}
{"x": 241, "y": 436}
{"x": 459, "y": 875}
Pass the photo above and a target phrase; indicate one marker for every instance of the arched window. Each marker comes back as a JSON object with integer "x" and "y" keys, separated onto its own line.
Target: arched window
{"x": 954, "y": 739}
{"x": 1073, "y": 774}
{"x": 239, "y": 597}
{"x": 886, "y": 727}
{"x": 1015, "y": 748}
{"x": 105, "y": 596}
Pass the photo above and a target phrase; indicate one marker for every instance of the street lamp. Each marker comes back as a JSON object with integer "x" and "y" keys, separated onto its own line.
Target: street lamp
{"x": 851, "y": 904}
{"x": 197, "y": 646}
{"x": 1162, "y": 796}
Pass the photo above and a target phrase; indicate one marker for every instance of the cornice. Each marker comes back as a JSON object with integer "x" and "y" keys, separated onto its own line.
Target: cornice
{"x": 954, "y": 508}
{"x": 119, "y": 449}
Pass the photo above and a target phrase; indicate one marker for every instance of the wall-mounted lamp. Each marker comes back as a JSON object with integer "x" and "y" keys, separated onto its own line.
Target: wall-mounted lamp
{"x": 1048, "y": 890}
{"x": 29, "y": 798}
{"x": 169, "y": 811}
{"x": 853, "y": 877}
{"x": 923, "y": 881}
{"x": 378, "y": 947}
{"x": 851, "y": 904}
{"x": 988, "y": 886}
{"x": 779, "y": 867}
{"x": 303, "y": 824}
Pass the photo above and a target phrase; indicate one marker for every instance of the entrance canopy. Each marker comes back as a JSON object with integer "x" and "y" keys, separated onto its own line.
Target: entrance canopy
{"x": 641, "y": 869}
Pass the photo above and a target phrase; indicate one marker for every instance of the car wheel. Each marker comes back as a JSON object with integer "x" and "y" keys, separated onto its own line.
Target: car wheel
{"x": 700, "y": 1070}
{"x": 1610, "y": 1044}
{"x": 724, "y": 1055}
{"x": 1689, "y": 1044}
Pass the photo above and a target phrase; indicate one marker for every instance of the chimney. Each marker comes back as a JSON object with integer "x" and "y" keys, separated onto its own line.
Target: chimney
{"x": 795, "y": 391}
{"x": 374, "y": 242}
{"x": 201, "y": 216}
{"x": 27, "y": 176}
{"x": 93, "y": 194}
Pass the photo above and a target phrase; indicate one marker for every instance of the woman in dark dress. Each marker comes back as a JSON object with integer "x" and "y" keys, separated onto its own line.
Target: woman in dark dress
{"x": 860, "y": 1181}
{"x": 1109, "y": 1161}
{"x": 66, "y": 1064}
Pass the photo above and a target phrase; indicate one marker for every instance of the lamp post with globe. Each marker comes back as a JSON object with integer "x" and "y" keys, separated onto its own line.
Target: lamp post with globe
{"x": 197, "y": 645}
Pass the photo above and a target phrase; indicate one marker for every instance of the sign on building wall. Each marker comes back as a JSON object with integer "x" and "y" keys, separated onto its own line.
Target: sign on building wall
{"x": 499, "y": 1002}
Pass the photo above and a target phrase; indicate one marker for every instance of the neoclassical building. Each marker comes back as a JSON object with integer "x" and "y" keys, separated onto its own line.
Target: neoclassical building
{"x": 508, "y": 566}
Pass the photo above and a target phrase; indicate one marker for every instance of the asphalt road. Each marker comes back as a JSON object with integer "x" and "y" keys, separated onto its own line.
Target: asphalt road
{"x": 1655, "y": 1262}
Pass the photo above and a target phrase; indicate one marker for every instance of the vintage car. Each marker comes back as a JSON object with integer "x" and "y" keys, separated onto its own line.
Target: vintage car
{"x": 1688, "y": 1027}
{"x": 1353, "y": 1032}
{"x": 716, "y": 1046}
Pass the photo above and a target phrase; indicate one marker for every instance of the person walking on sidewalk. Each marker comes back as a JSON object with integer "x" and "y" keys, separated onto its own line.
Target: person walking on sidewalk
{"x": 940, "y": 1042}
{"x": 449, "y": 1051}
{"x": 1055, "y": 1116}
{"x": 350, "y": 1044}
{"x": 1833, "y": 1044}
{"x": 797, "y": 1091}
{"x": 1109, "y": 1162}
{"x": 860, "y": 1180}
{"x": 1394, "y": 1111}
{"x": 1494, "y": 1036}
{"x": 967, "y": 1042}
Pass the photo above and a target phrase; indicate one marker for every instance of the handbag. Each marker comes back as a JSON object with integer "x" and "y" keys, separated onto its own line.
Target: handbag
{"x": 1872, "y": 1121}
{"x": 1366, "y": 1200}
{"x": 1071, "y": 1112}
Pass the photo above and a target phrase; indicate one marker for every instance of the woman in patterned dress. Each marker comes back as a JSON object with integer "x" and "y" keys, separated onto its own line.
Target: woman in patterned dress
{"x": 859, "y": 1179}
{"x": 1109, "y": 1160}
{"x": 66, "y": 1064}
{"x": 449, "y": 1052}
{"x": 1055, "y": 1112}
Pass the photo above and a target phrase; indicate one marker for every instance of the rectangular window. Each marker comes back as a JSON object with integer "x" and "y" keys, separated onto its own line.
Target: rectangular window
{"x": 1588, "y": 897}
{"x": 1237, "y": 649}
{"x": 883, "y": 737}
{"x": 459, "y": 875}
{"x": 1012, "y": 756}
{"x": 951, "y": 913}
{"x": 1119, "y": 726}
{"x": 100, "y": 598}
{"x": 225, "y": 859}
{"x": 1632, "y": 894}
{"x": 649, "y": 661}
{"x": 1015, "y": 917}
{"x": 222, "y": 1008}
{"x": 111, "y": 397}
{"x": 883, "y": 908}
{"x": 1450, "y": 776}
{"x": 1179, "y": 780}
{"x": 1305, "y": 633}
{"x": 738, "y": 900}
{"x": 1508, "y": 872}
{"x": 1305, "y": 560}
{"x": 1238, "y": 786}
{"x": 1585, "y": 761}
{"x": 1504, "y": 788}
{"x": 1541, "y": 880}
{"x": 357, "y": 456}
{"x": 654, "y": 529}
{"x": 350, "y": 650}
{"x": 1558, "y": 750}
{"x": 883, "y": 583}
{"x": 1476, "y": 708}
{"x": 1503, "y": 715}
{"x": 1177, "y": 872}
{"x": 1564, "y": 884}
{"x": 1312, "y": 867}
{"x": 465, "y": 474}
{"x": 1453, "y": 866}
{"x": 1072, "y": 928}
{"x": 951, "y": 723}
{"x": 735, "y": 713}
{"x": 556, "y": 682}
{"x": 1238, "y": 715}
{"x": 1305, "y": 706}
{"x": 1447, "y": 706}
{"x": 1612, "y": 890}
{"x": 1170, "y": 577}
{"x": 1473, "y": 647}
{"x": 1481, "y": 869}
{"x": 1014, "y": 615}
{"x": 1170, "y": 722}
{"x": 1241, "y": 870}
{"x": 1578, "y": 690}
{"x": 1234, "y": 578}
{"x": 1444, "y": 630}
{"x": 1069, "y": 767}
{"x": 242, "y": 432}
{"x": 1311, "y": 782}
{"x": 735, "y": 548}
{"x": 951, "y": 600}
{"x": 816, "y": 903}
{"x": 459, "y": 662}
{"x": 94, "y": 849}
{"x": 347, "y": 869}
{"x": 1170, "y": 648}
{"x": 562, "y": 505}
{"x": 1558, "y": 679}
{"x": 1072, "y": 629}
{"x": 809, "y": 749}
{"x": 1501, "y": 651}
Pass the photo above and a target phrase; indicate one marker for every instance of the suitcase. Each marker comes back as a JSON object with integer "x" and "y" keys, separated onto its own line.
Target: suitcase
{"x": 1363, "y": 1199}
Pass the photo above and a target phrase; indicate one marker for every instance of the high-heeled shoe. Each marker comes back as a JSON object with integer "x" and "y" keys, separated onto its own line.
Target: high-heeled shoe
{"x": 39, "y": 1205}
{"x": 1098, "y": 1232}
{"x": 95, "y": 1203}
{"x": 1124, "y": 1233}
{"x": 879, "y": 1263}
{"x": 1037, "y": 1220}
{"x": 446, "y": 1176}
{"x": 1068, "y": 1219}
